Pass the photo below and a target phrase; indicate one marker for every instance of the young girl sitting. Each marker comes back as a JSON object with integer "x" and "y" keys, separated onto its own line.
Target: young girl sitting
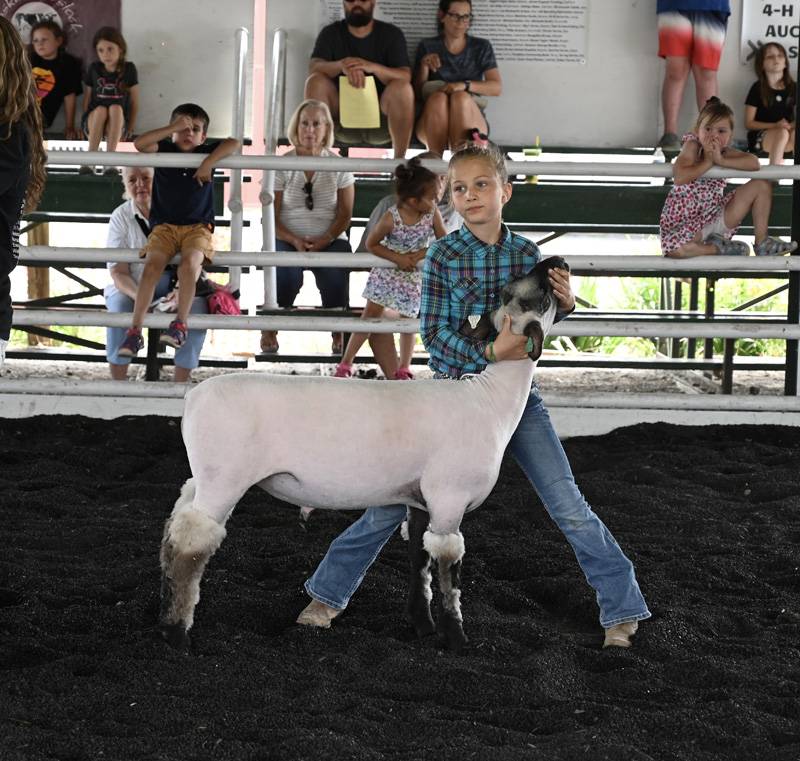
{"x": 56, "y": 73}
{"x": 402, "y": 236}
{"x": 769, "y": 106}
{"x": 110, "y": 94}
{"x": 698, "y": 219}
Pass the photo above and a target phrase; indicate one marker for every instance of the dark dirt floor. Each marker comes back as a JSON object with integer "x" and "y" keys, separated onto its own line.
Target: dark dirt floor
{"x": 710, "y": 516}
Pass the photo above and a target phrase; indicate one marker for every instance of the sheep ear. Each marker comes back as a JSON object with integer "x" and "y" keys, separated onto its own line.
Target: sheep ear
{"x": 480, "y": 328}
{"x": 553, "y": 262}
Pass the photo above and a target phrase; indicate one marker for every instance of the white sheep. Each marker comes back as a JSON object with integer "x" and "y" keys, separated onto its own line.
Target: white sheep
{"x": 323, "y": 443}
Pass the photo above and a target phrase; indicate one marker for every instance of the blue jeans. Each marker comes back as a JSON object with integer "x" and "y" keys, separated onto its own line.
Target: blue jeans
{"x": 537, "y": 449}
{"x": 332, "y": 282}
{"x": 187, "y": 357}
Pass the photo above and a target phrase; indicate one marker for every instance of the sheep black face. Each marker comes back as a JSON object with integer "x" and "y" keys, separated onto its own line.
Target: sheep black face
{"x": 528, "y": 300}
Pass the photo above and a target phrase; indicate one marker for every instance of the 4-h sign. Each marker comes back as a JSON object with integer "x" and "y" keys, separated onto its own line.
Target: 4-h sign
{"x": 769, "y": 22}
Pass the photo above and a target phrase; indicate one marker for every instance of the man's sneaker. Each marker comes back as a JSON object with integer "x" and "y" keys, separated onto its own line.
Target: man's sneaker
{"x": 726, "y": 247}
{"x": 774, "y": 247}
{"x": 670, "y": 142}
{"x": 175, "y": 334}
{"x": 132, "y": 344}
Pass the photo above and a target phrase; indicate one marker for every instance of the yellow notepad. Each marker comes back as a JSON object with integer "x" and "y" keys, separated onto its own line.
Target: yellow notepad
{"x": 359, "y": 107}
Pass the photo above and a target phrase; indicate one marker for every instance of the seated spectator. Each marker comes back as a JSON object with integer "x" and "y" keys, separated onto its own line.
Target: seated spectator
{"x": 454, "y": 74}
{"x": 111, "y": 94}
{"x": 769, "y": 106}
{"x": 181, "y": 218}
{"x": 128, "y": 228}
{"x": 357, "y": 47}
{"x": 312, "y": 213}
{"x": 56, "y": 73}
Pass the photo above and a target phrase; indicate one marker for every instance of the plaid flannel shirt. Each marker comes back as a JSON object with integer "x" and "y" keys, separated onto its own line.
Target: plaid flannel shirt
{"x": 463, "y": 276}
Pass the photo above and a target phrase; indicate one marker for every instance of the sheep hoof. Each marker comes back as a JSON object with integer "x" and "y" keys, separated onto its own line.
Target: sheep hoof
{"x": 452, "y": 635}
{"x": 424, "y": 628}
{"x": 175, "y": 635}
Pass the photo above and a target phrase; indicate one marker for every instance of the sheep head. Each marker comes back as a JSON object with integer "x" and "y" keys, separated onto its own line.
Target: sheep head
{"x": 529, "y": 301}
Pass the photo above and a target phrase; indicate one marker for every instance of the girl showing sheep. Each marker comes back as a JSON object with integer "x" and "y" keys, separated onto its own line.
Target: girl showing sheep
{"x": 462, "y": 279}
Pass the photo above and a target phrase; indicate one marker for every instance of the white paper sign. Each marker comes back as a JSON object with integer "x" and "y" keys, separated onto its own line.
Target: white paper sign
{"x": 764, "y": 22}
{"x": 546, "y": 31}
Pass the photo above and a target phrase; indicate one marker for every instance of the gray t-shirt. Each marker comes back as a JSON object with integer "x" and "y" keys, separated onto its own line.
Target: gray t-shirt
{"x": 471, "y": 63}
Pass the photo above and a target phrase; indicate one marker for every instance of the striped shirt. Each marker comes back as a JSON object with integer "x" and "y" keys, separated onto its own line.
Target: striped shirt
{"x": 463, "y": 276}
{"x": 325, "y": 187}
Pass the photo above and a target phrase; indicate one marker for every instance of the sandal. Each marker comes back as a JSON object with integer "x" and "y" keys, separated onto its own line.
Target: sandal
{"x": 343, "y": 370}
{"x": 269, "y": 341}
{"x": 727, "y": 247}
{"x": 774, "y": 247}
{"x": 403, "y": 373}
{"x": 336, "y": 343}
{"x": 478, "y": 138}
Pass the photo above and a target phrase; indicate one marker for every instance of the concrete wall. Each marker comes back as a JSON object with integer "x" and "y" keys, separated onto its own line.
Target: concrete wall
{"x": 184, "y": 51}
{"x": 612, "y": 100}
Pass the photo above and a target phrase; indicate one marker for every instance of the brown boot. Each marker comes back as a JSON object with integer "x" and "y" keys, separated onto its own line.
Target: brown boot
{"x": 620, "y": 635}
{"x": 317, "y": 613}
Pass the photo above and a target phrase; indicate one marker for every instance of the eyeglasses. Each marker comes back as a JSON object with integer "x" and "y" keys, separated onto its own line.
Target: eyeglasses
{"x": 307, "y": 188}
{"x": 461, "y": 18}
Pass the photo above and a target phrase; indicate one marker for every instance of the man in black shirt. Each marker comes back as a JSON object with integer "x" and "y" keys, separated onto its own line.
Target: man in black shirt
{"x": 357, "y": 47}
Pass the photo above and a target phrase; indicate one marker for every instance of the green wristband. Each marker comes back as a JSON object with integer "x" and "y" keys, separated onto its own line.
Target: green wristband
{"x": 492, "y": 357}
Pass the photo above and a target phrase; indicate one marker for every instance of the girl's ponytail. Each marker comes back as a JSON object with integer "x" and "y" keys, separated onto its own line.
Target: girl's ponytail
{"x": 412, "y": 179}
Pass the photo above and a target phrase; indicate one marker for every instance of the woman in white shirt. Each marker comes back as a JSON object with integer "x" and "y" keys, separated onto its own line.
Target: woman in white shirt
{"x": 312, "y": 213}
{"x": 129, "y": 228}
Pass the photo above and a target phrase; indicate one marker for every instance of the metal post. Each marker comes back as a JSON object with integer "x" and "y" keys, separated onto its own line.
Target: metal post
{"x": 272, "y": 128}
{"x": 691, "y": 344}
{"x": 677, "y": 305}
{"x": 711, "y": 284}
{"x": 790, "y": 383}
{"x": 237, "y": 130}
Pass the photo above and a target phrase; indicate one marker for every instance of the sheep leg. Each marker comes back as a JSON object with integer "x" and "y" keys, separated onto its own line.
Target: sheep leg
{"x": 190, "y": 538}
{"x": 448, "y": 550}
{"x": 449, "y": 622}
{"x": 419, "y": 591}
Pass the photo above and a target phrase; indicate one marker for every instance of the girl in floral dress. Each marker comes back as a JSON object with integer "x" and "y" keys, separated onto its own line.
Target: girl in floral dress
{"x": 698, "y": 218}
{"x": 402, "y": 236}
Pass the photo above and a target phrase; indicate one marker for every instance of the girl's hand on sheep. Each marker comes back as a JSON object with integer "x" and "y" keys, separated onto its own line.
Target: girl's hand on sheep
{"x": 562, "y": 290}
{"x": 509, "y": 345}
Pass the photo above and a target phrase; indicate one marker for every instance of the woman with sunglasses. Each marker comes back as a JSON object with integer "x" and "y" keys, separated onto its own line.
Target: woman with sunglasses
{"x": 455, "y": 74}
{"x": 312, "y": 213}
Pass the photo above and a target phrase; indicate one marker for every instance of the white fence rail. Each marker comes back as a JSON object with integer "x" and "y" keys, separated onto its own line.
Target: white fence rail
{"x": 337, "y": 164}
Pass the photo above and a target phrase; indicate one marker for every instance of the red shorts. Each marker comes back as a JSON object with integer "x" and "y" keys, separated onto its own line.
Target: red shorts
{"x": 696, "y": 35}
